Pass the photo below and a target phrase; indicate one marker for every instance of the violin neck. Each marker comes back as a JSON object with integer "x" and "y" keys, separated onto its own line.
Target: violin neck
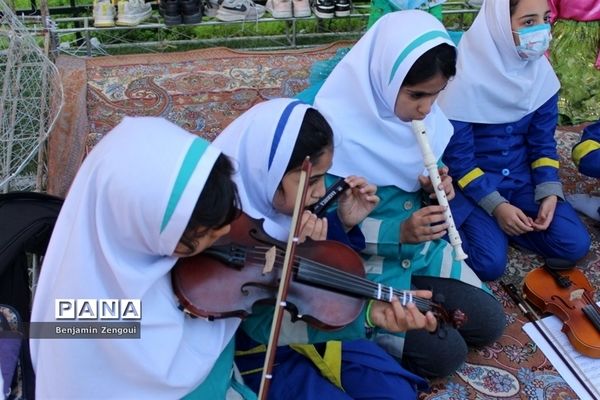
{"x": 356, "y": 286}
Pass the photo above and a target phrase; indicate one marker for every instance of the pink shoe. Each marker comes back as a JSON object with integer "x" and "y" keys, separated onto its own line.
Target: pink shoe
{"x": 301, "y": 8}
{"x": 280, "y": 8}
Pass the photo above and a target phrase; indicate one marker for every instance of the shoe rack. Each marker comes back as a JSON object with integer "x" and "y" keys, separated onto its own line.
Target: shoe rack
{"x": 78, "y": 35}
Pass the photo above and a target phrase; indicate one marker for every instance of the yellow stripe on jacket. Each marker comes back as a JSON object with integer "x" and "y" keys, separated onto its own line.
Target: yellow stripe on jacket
{"x": 470, "y": 177}
{"x": 583, "y": 149}
{"x": 544, "y": 162}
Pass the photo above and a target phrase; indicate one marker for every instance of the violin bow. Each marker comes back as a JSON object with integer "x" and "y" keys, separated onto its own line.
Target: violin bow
{"x": 539, "y": 325}
{"x": 286, "y": 273}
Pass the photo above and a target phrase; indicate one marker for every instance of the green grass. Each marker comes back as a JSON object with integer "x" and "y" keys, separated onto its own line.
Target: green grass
{"x": 26, "y": 4}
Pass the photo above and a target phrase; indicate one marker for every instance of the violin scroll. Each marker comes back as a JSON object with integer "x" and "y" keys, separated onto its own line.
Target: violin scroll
{"x": 455, "y": 318}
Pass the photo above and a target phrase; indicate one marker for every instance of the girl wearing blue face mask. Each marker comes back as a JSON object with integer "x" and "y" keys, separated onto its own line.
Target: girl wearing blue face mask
{"x": 502, "y": 156}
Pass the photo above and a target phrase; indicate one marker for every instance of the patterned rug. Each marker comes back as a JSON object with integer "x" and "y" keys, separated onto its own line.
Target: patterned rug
{"x": 204, "y": 90}
{"x": 201, "y": 90}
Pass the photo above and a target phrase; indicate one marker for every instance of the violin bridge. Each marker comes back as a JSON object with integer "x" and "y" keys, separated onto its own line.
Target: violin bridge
{"x": 269, "y": 260}
{"x": 576, "y": 294}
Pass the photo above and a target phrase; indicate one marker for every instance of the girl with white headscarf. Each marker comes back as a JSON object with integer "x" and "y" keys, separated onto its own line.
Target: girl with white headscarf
{"x": 503, "y": 106}
{"x": 269, "y": 143}
{"x": 391, "y": 76}
{"x": 147, "y": 194}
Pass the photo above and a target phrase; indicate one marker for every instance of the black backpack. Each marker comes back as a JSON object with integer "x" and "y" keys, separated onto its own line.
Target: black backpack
{"x": 26, "y": 223}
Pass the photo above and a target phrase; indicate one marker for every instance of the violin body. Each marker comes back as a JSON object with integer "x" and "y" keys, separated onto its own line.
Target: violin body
{"x": 574, "y": 305}
{"x": 228, "y": 279}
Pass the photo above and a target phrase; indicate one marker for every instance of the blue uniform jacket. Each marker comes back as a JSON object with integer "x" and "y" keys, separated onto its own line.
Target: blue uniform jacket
{"x": 586, "y": 153}
{"x": 488, "y": 159}
{"x": 354, "y": 238}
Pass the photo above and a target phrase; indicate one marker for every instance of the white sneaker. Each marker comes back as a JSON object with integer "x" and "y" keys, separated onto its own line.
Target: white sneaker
{"x": 211, "y": 7}
{"x": 239, "y": 10}
{"x": 585, "y": 204}
{"x": 301, "y": 8}
{"x": 132, "y": 12}
{"x": 280, "y": 8}
{"x": 104, "y": 13}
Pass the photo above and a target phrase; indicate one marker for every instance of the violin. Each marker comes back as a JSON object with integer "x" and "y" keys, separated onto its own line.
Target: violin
{"x": 569, "y": 296}
{"x": 327, "y": 290}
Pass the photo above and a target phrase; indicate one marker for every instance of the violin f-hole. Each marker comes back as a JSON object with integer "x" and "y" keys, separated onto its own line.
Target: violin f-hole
{"x": 562, "y": 301}
{"x": 293, "y": 310}
{"x": 260, "y": 237}
{"x": 245, "y": 288}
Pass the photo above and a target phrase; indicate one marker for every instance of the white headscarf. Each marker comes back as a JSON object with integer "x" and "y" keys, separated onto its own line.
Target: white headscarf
{"x": 121, "y": 221}
{"x": 359, "y": 97}
{"x": 493, "y": 84}
{"x": 261, "y": 140}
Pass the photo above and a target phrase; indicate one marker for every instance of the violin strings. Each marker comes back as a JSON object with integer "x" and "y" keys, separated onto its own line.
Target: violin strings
{"x": 329, "y": 276}
{"x": 323, "y": 274}
{"x": 333, "y": 278}
{"x": 590, "y": 300}
{"x": 591, "y": 310}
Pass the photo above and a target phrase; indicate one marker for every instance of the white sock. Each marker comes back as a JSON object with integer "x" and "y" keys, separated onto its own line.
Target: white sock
{"x": 585, "y": 204}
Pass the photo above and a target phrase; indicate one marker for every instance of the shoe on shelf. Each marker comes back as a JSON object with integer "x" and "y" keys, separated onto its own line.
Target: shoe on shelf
{"x": 133, "y": 12}
{"x": 280, "y": 8}
{"x": 324, "y": 8}
{"x": 342, "y": 8}
{"x": 239, "y": 10}
{"x": 191, "y": 10}
{"x": 301, "y": 8}
{"x": 171, "y": 12}
{"x": 210, "y": 8}
{"x": 104, "y": 13}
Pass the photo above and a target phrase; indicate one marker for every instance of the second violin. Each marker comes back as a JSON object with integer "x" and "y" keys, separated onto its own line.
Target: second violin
{"x": 569, "y": 296}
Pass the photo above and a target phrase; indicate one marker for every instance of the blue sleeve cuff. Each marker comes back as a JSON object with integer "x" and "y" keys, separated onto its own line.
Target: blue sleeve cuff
{"x": 354, "y": 238}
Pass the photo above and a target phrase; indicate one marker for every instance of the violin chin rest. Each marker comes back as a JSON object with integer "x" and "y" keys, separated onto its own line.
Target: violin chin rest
{"x": 559, "y": 264}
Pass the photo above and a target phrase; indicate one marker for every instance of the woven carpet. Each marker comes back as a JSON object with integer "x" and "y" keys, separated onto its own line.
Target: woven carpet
{"x": 201, "y": 90}
{"x": 204, "y": 90}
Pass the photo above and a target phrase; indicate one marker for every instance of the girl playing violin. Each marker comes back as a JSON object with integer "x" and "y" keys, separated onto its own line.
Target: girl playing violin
{"x": 288, "y": 131}
{"x": 147, "y": 194}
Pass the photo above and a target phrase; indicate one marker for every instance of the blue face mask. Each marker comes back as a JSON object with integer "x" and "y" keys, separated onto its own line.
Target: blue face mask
{"x": 534, "y": 41}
